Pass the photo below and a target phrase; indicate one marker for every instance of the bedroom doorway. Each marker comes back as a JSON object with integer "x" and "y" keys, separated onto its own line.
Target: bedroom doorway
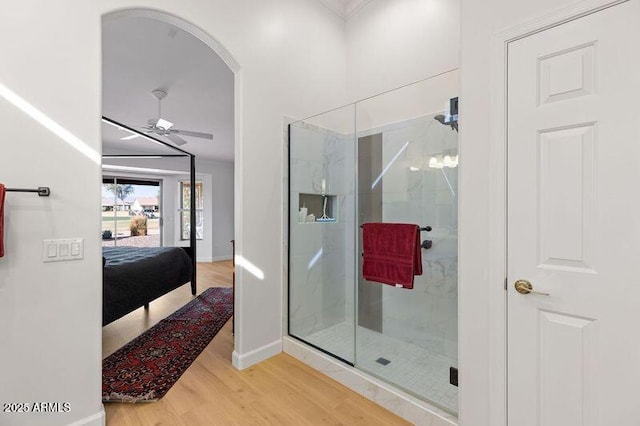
{"x": 170, "y": 124}
{"x": 169, "y": 102}
{"x": 131, "y": 212}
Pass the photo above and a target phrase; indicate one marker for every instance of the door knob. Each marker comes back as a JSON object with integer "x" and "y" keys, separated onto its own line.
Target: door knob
{"x": 525, "y": 287}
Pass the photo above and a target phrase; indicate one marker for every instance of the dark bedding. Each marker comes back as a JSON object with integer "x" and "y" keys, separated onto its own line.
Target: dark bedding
{"x": 134, "y": 276}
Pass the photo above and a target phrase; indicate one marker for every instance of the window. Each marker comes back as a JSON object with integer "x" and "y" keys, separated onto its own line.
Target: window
{"x": 185, "y": 210}
{"x": 131, "y": 212}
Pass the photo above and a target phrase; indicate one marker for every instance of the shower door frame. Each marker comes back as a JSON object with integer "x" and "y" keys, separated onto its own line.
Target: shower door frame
{"x": 289, "y": 262}
{"x": 356, "y": 255}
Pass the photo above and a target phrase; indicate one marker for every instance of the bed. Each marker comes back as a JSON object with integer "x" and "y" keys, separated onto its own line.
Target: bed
{"x": 135, "y": 276}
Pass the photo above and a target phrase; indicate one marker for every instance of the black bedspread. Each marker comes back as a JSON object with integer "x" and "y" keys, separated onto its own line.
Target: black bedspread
{"x": 134, "y": 276}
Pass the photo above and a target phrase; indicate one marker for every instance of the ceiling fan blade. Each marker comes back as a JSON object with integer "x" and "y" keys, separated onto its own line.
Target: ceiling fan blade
{"x": 194, "y": 134}
{"x": 176, "y": 139}
{"x": 128, "y": 138}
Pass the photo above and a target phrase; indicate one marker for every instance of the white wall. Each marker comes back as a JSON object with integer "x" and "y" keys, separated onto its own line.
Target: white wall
{"x": 222, "y": 206}
{"x": 51, "y": 313}
{"x": 391, "y": 43}
{"x": 480, "y": 20}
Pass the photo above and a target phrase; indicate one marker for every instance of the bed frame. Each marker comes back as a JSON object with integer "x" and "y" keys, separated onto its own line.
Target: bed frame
{"x": 135, "y": 276}
{"x": 191, "y": 250}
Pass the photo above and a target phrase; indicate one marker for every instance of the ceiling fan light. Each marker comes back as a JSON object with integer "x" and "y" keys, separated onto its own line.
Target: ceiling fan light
{"x": 164, "y": 124}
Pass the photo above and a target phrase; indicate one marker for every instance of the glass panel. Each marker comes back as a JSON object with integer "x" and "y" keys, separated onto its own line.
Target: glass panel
{"x": 407, "y": 151}
{"x": 185, "y": 199}
{"x": 185, "y": 220}
{"x": 185, "y": 216}
{"x": 131, "y": 212}
{"x": 322, "y": 232}
{"x": 110, "y": 204}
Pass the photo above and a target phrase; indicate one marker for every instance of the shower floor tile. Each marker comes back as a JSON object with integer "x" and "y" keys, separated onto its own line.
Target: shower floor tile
{"x": 412, "y": 368}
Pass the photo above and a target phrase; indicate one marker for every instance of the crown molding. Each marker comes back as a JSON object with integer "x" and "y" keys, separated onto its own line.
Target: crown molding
{"x": 345, "y": 9}
{"x": 354, "y": 6}
{"x": 336, "y": 6}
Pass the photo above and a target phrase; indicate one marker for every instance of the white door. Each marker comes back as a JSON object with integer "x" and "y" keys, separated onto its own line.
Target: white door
{"x": 574, "y": 222}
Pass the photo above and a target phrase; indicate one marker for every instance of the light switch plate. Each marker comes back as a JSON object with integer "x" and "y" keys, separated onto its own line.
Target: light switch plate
{"x": 51, "y": 250}
{"x": 64, "y": 249}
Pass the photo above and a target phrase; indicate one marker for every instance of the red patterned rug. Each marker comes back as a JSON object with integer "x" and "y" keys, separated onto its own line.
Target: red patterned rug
{"x": 145, "y": 368}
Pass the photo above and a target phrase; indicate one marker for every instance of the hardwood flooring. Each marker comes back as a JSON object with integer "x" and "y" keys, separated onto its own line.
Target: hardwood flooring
{"x": 278, "y": 391}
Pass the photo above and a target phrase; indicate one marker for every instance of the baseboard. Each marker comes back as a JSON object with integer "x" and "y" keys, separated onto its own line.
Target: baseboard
{"x": 242, "y": 361}
{"x": 220, "y": 258}
{"x": 401, "y": 403}
{"x": 214, "y": 259}
{"x": 98, "y": 419}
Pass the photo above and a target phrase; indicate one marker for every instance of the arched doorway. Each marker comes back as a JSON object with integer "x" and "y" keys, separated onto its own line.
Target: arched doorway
{"x": 122, "y": 100}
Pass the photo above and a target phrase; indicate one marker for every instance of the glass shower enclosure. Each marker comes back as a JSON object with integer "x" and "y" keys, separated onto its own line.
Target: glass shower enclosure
{"x": 391, "y": 158}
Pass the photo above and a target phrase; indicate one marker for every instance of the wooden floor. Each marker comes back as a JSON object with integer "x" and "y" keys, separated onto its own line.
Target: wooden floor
{"x": 278, "y": 391}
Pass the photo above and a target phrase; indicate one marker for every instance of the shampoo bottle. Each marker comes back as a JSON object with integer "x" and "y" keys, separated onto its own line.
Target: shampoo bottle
{"x": 302, "y": 215}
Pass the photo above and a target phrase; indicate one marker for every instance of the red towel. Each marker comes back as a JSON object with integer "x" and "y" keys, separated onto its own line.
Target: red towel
{"x": 392, "y": 253}
{"x": 2, "y": 194}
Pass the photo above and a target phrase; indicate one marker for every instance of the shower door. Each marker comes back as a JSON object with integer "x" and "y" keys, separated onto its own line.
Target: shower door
{"x": 391, "y": 158}
{"x": 407, "y": 154}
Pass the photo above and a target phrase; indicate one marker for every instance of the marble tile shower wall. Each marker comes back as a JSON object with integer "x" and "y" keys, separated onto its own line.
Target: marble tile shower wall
{"x": 413, "y": 192}
{"x": 322, "y": 254}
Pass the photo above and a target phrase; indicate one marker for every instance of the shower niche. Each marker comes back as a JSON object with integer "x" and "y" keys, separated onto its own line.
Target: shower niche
{"x": 316, "y": 208}
{"x": 389, "y": 158}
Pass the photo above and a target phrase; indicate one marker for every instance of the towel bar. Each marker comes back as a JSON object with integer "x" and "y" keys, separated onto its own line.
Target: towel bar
{"x": 42, "y": 191}
{"x": 426, "y": 228}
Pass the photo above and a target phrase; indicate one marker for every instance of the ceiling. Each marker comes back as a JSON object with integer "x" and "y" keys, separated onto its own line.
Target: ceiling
{"x": 142, "y": 54}
{"x": 345, "y": 8}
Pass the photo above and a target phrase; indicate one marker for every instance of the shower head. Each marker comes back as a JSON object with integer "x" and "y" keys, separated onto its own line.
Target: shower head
{"x": 441, "y": 119}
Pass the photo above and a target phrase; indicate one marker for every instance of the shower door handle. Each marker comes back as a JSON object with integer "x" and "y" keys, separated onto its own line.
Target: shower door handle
{"x": 525, "y": 287}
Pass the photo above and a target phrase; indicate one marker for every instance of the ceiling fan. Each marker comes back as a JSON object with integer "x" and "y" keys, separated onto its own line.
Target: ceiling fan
{"x": 162, "y": 127}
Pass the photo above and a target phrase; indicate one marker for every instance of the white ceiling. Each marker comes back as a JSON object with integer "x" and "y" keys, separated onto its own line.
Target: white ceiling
{"x": 142, "y": 54}
{"x": 345, "y": 8}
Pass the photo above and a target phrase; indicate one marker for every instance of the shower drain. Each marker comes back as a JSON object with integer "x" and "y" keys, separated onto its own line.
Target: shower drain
{"x": 383, "y": 361}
